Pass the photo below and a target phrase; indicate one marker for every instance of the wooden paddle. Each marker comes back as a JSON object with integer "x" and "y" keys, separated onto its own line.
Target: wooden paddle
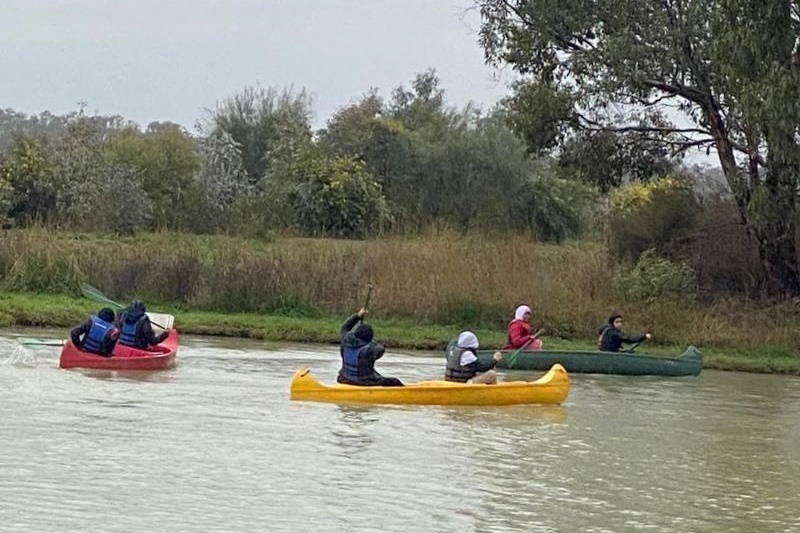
{"x": 634, "y": 346}
{"x": 512, "y": 358}
{"x": 369, "y": 295}
{"x": 28, "y": 341}
{"x": 96, "y": 295}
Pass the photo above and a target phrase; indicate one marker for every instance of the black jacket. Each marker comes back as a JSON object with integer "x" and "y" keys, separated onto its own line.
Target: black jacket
{"x": 367, "y": 375}
{"x": 610, "y": 339}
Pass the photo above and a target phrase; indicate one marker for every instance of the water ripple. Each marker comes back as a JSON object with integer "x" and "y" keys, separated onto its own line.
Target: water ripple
{"x": 215, "y": 445}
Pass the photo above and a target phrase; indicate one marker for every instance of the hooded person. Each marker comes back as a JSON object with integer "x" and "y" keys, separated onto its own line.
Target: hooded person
{"x": 97, "y": 335}
{"x": 136, "y": 329}
{"x": 463, "y": 364}
{"x": 520, "y": 331}
{"x": 610, "y": 336}
{"x": 359, "y": 353}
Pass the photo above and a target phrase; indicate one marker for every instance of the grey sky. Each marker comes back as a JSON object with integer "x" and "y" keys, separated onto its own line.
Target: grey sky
{"x": 170, "y": 59}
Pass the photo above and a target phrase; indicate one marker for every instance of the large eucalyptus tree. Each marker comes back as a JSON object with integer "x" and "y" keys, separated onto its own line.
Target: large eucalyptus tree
{"x": 723, "y": 75}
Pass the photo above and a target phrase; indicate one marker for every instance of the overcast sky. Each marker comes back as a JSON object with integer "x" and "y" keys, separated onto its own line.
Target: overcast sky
{"x": 160, "y": 60}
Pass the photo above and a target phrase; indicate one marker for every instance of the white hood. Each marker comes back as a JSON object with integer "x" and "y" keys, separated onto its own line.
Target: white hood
{"x": 467, "y": 339}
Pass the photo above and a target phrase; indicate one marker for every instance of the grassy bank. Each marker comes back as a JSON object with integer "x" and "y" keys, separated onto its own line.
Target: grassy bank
{"x": 59, "y": 311}
{"x": 426, "y": 289}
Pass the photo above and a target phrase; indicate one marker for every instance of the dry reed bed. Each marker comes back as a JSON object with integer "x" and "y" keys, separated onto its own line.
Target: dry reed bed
{"x": 442, "y": 278}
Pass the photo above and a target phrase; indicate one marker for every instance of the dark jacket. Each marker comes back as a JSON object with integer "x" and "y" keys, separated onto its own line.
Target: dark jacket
{"x": 368, "y": 353}
{"x": 137, "y": 331}
{"x": 610, "y": 339}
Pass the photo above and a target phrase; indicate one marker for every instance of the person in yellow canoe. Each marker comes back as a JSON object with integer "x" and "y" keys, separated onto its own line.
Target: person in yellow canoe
{"x": 359, "y": 352}
{"x": 98, "y": 335}
{"x": 463, "y": 364}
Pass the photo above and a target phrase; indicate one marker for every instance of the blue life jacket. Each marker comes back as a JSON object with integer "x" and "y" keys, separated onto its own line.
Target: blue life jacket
{"x": 95, "y": 340}
{"x": 350, "y": 358}
{"x": 129, "y": 333}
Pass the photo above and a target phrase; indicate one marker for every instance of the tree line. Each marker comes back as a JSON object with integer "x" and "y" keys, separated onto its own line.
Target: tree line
{"x": 401, "y": 164}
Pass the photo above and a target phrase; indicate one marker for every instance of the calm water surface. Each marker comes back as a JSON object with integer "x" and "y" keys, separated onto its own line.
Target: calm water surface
{"x": 216, "y": 445}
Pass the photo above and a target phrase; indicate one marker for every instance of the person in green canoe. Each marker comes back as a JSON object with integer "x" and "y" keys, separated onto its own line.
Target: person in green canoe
{"x": 359, "y": 353}
{"x": 610, "y": 336}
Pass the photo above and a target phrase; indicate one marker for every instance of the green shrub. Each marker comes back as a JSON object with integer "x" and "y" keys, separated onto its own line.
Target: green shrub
{"x": 654, "y": 277}
{"x": 654, "y": 215}
{"x": 336, "y": 197}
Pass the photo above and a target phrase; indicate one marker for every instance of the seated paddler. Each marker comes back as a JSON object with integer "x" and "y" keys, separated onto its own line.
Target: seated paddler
{"x": 463, "y": 364}
{"x": 610, "y": 336}
{"x": 97, "y": 335}
{"x": 136, "y": 330}
{"x": 359, "y": 353}
{"x": 520, "y": 332}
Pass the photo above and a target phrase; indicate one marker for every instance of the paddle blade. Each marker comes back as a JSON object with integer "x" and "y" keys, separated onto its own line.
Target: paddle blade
{"x": 28, "y": 341}
{"x": 95, "y": 294}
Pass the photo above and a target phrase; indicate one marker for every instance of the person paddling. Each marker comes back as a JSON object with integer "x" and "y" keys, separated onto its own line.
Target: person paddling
{"x": 463, "y": 364}
{"x": 520, "y": 331}
{"x": 98, "y": 335}
{"x": 359, "y": 353}
{"x": 610, "y": 336}
{"x": 136, "y": 328}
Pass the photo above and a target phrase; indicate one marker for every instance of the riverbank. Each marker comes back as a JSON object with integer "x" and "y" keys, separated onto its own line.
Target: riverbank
{"x": 59, "y": 311}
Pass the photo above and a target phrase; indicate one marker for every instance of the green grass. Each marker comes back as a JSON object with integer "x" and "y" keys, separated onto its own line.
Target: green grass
{"x": 58, "y": 311}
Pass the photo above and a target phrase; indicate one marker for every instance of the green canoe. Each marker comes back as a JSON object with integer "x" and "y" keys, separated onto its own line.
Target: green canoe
{"x": 633, "y": 364}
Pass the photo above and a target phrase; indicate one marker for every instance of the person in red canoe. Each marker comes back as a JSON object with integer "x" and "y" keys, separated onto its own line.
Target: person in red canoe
{"x": 359, "y": 353}
{"x": 136, "y": 329}
{"x": 520, "y": 331}
{"x": 97, "y": 335}
{"x": 610, "y": 336}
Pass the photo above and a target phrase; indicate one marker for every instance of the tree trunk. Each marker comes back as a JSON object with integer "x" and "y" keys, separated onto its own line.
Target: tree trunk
{"x": 772, "y": 222}
{"x": 775, "y": 217}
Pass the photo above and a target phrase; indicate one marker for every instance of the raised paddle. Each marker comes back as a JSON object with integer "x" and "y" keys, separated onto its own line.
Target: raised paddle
{"x": 369, "y": 295}
{"x": 95, "y": 294}
{"x": 512, "y": 358}
{"x": 28, "y": 341}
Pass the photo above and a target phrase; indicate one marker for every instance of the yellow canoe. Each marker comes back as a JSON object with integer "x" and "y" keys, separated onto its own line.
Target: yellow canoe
{"x": 552, "y": 388}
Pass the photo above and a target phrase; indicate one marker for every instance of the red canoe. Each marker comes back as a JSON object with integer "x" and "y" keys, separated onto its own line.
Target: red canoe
{"x": 158, "y": 357}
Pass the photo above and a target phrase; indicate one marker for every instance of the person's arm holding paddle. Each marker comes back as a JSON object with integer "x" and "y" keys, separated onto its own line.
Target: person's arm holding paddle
{"x": 352, "y": 321}
{"x": 77, "y": 333}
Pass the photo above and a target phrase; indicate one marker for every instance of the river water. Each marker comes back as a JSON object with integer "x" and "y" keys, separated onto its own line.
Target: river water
{"x": 216, "y": 445}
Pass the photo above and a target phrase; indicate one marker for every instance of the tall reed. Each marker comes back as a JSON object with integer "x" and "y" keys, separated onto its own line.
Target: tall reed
{"x": 442, "y": 278}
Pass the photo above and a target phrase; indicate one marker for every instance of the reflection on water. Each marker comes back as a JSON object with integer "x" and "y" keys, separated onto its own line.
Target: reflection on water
{"x": 216, "y": 445}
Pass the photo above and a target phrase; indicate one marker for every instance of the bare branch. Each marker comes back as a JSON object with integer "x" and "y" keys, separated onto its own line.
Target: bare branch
{"x": 690, "y": 93}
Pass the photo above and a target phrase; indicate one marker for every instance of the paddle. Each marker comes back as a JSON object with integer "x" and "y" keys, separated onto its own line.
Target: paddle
{"x": 28, "y": 341}
{"x": 95, "y": 294}
{"x": 369, "y": 295}
{"x": 512, "y": 358}
{"x": 634, "y": 346}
